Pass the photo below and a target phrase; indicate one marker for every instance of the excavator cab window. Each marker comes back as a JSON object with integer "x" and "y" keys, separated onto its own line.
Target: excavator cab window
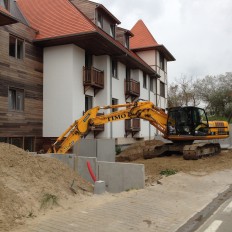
{"x": 187, "y": 121}
{"x": 200, "y": 122}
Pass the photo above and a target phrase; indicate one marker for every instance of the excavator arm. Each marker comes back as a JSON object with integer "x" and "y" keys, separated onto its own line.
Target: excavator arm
{"x": 144, "y": 110}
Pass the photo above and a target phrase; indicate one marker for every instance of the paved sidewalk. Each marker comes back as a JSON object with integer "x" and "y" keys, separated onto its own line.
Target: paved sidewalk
{"x": 161, "y": 208}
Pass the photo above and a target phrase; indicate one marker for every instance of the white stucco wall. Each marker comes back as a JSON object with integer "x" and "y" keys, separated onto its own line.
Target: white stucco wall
{"x": 149, "y": 57}
{"x": 64, "y": 98}
{"x": 63, "y": 88}
{"x": 118, "y": 128}
{"x": 103, "y": 98}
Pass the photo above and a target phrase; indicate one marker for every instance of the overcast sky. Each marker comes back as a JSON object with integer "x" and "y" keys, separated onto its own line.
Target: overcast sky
{"x": 197, "y": 32}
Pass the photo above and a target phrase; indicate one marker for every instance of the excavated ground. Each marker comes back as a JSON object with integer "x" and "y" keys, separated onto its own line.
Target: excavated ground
{"x": 154, "y": 166}
{"x": 30, "y": 185}
{"x": 25, "y": 180}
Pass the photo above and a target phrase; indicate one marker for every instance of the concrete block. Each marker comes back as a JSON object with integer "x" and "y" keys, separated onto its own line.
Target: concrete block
{"x": 102, "y": 149}
{"x": 106, "y": 150}
{"x": 120, "y": 177}
{"x": 99, "y": 187}
{"x": 67, "y": 159}
{"x": 86, "y": 148}
{"x": 82, "y": 168}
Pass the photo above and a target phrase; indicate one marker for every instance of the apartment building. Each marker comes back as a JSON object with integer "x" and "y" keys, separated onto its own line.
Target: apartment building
{"x": 70, "y": 56}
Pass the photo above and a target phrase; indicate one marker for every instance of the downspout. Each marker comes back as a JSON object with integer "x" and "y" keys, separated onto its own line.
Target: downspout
{"x": 149, "y": 99}
{"x": 156, "y": 85}
{"x": 111, "y": 125}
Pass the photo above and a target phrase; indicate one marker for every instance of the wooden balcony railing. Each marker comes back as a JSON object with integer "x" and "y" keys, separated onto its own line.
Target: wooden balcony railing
{"x": 94, "y": 78}
{"x": 132, "y": 88}
{"x": 132, "y": 126}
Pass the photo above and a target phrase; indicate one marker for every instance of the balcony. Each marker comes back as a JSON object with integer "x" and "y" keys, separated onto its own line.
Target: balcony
{"x": 132, "y": 126}
{"x": 132, "y": 89}
{"x": 93, "y": 78}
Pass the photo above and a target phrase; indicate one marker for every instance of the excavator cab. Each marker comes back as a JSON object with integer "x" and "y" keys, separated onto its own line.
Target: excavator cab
{"x": 188, "y": 120}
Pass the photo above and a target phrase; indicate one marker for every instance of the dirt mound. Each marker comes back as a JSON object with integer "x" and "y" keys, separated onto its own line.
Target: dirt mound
{"x": 136, "y": 150}
{"x": 204, "y": 166}
{"x": 28, "y": 183}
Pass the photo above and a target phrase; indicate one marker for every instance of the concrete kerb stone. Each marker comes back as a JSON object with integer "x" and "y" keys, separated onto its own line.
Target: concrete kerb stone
{"x": 99, "y": 187}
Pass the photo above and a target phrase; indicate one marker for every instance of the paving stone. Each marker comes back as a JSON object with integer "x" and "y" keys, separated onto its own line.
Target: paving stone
{"x": 159, "y": 208}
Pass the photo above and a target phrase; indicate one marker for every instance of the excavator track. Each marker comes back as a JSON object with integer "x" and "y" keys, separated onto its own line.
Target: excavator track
{"x": 198, "y": 150}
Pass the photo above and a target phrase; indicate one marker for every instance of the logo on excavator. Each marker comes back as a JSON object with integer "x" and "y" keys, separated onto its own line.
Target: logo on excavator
{"x": 117, "y": 117}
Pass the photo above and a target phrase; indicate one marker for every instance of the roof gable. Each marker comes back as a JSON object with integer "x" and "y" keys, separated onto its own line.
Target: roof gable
{"x": 54, "y": 18}
{"x": 142, "y": 37}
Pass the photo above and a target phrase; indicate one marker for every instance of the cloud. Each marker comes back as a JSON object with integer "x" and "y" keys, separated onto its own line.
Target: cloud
{"x": 198, "y": 33}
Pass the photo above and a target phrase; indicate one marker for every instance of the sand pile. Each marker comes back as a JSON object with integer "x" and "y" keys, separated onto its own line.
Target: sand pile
{"x": 28, "y": 183}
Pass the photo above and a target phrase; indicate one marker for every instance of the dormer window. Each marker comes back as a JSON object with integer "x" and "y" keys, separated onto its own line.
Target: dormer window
{"x": 7, "y": 4}
{"x": 112, "y": 30}
{"x": 127, "y": 41}
{"x": 99, "y": 20}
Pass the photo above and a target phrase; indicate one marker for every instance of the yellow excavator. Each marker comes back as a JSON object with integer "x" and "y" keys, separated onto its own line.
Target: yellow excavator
{"x": 181, "y": 126}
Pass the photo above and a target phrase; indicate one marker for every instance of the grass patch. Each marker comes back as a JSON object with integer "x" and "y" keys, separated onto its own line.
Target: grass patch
{"x": 168, "y": 172}
{"x": 48, "y": 200}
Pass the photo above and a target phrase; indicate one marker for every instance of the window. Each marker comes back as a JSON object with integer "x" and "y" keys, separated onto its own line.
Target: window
{"x": 144, "y": 80}
{"x": 162, "y": 89}
{"x": 99, "y": 20}
{"x": 114, "y": 102}
{"x": 88, "y": 102}
{"x": 161, "y": 61}
{"x": 151, "y": 84}
{"x": 16, "y": 99}
{"x": 18, "y": 142}
{"x": 126, "y": 41}
{"x": 3, "y": 140}
{"x": 114, "y": 69}
{"x": 29, "y": 143}
{"x": 112, "y": 30}
{"x": 7, "y": 4}
{"x": 16, "y": 47}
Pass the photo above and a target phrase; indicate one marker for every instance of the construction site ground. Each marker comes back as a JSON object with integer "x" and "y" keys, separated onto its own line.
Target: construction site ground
{"x": 164, "y": 205}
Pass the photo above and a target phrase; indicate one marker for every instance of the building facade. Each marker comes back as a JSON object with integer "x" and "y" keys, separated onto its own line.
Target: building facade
{"x": 61, "y": 58}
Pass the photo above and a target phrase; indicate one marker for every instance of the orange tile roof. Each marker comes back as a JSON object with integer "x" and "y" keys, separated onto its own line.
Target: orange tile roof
{"x": 53, "y": 18}
{"x": 142, "y": 36}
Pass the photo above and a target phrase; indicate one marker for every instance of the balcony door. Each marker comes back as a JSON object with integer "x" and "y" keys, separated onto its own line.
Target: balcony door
{"x": 88, "y": 60}
{"x": 128, "y": 74}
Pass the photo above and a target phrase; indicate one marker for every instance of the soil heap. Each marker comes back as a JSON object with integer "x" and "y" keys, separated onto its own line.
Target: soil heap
{"x": 154, "y": 167}
{"x": 28, "y": 183}
{"x": 136, "y": 150}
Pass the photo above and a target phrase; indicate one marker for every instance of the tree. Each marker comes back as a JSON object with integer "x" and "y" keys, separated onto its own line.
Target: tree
{"x": 183, "y": 93}
{"x": 216, "y": 92}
